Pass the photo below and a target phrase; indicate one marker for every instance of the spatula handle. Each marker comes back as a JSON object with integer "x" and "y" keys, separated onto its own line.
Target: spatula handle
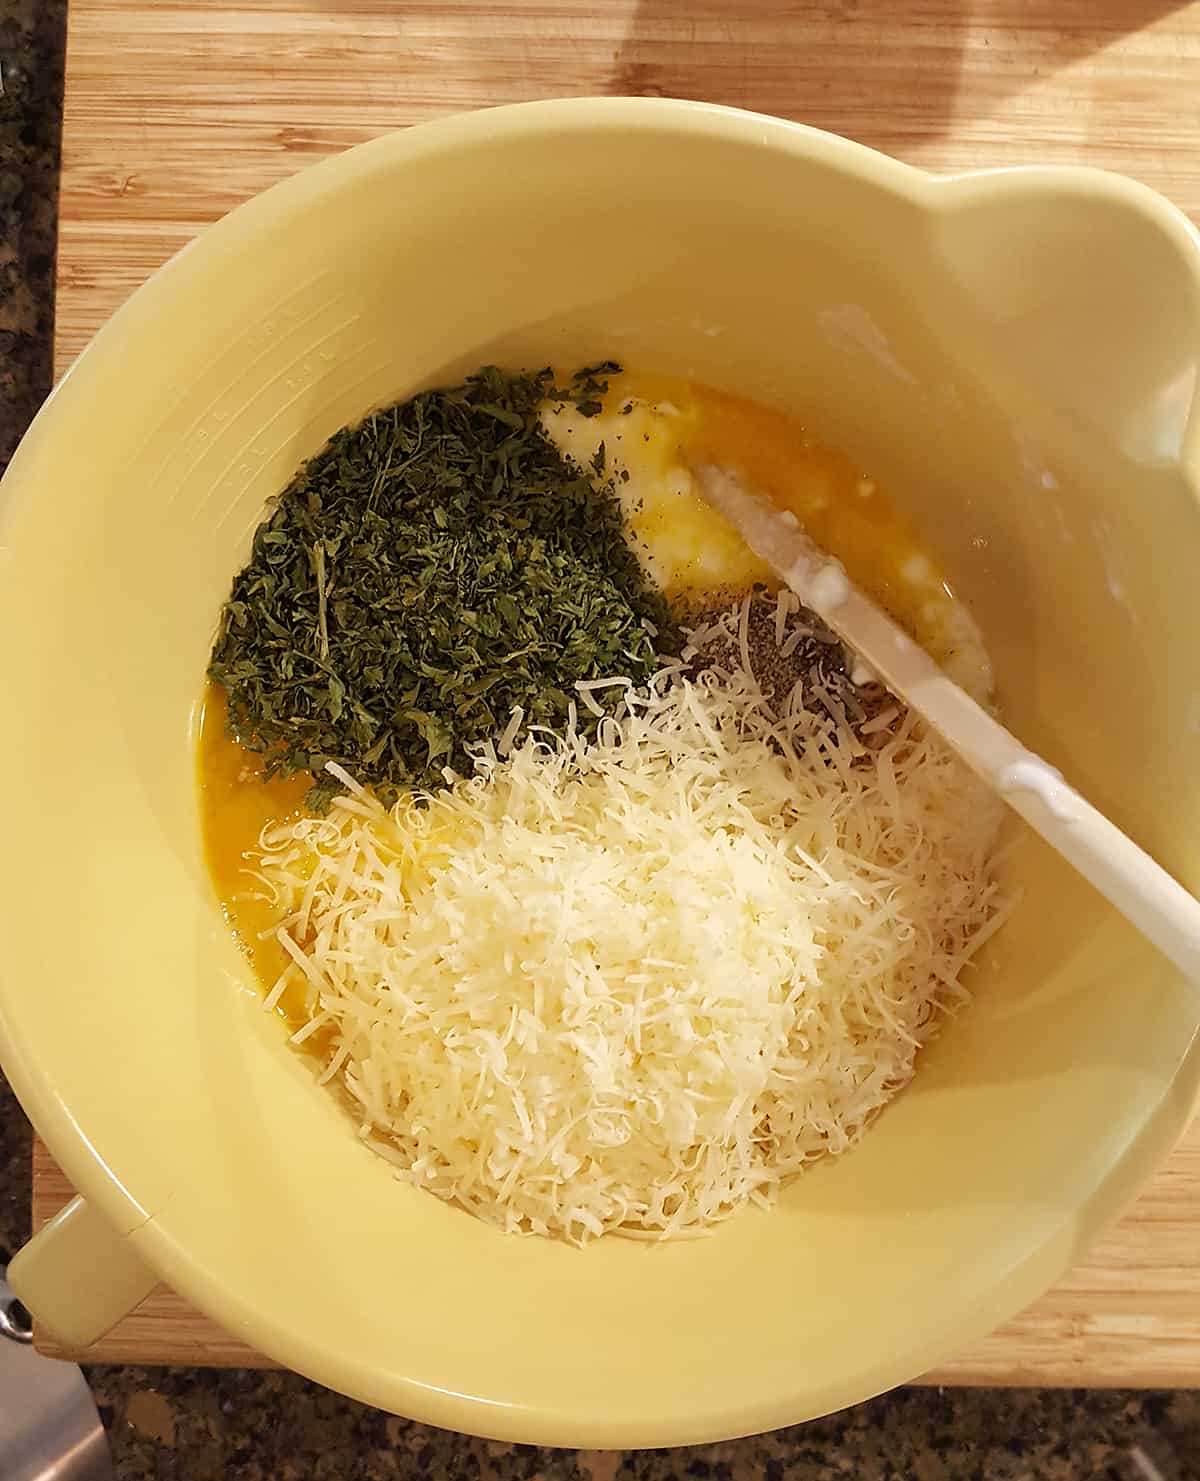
{"x": 1124, "y": 874}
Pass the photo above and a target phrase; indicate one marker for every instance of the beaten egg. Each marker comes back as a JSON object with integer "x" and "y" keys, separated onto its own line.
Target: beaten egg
{"x": 649, "y": 434}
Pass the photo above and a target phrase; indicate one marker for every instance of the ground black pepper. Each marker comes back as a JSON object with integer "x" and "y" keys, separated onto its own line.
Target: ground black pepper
{"x": 811, "y": 655}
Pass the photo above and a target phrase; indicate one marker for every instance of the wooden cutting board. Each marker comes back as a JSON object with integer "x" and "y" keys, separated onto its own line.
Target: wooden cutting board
{"x": 176, "y": 110}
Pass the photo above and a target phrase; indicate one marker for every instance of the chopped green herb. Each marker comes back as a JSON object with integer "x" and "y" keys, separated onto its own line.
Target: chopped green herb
{"x": 429, "y": 571}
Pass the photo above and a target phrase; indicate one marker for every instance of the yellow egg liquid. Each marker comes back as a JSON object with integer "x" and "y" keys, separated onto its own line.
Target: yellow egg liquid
{"x": 236, "y": 804}
{"x": 695, "y": 554}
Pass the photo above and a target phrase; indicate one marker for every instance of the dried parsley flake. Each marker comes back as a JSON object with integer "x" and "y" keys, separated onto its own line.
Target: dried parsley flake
{"x": 430, "y": 570}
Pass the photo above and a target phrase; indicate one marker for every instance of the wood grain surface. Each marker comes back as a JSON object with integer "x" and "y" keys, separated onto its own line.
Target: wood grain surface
{"x": 177, "y": 110}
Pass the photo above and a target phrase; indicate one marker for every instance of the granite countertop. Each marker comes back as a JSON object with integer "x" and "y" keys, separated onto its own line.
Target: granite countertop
{"x": 195, "y": 1424}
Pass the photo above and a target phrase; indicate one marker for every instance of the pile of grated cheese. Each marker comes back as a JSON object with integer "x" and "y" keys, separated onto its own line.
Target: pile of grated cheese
{"x": 632, "y": 985}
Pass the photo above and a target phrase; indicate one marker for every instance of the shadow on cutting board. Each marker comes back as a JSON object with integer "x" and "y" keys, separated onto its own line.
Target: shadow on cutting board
{"x": 887, "y": 74}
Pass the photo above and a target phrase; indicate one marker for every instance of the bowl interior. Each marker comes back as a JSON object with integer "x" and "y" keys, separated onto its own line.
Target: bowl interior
{"x": 1031, "y": 416}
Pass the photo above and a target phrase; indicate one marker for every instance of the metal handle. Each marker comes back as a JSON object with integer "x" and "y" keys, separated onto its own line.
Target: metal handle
{"x": 49, "y": 1427}
{"x": 15, "y": 1322}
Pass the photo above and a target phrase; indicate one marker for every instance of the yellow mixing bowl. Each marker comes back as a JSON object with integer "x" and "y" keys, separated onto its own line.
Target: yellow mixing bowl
{"x": 1014, "y": 354}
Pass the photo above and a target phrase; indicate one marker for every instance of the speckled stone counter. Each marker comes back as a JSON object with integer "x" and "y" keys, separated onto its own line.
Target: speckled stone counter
{"x": 195, "y": 1425}
{"x": 186, "y": 1426}
{"x": 31, "y": 61}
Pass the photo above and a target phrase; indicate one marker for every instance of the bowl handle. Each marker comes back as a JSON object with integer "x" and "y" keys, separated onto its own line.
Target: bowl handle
{"x": 78, "y": 1276}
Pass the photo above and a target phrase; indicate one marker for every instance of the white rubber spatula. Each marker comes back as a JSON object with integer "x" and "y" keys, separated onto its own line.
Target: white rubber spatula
{"x": 1125, "y": 875}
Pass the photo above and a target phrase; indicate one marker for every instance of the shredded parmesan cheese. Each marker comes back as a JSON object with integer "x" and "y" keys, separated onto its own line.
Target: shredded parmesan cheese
{"x": 633, "y": 985}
